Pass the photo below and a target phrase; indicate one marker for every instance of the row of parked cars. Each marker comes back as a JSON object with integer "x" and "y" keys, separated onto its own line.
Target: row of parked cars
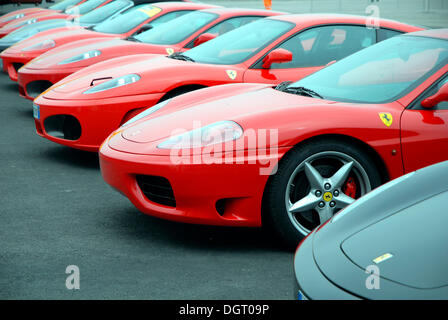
{"x": 242, "y": 117}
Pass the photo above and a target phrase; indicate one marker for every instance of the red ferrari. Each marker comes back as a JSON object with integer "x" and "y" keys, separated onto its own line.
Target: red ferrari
{"x": 132, "y": 21}
{"x": 44, "y": 15}
{"x": 89, "y": 104}
{"x": 290, "y": 156}
{"x": 28, "y": 12}
{"x": 199, "y": 26}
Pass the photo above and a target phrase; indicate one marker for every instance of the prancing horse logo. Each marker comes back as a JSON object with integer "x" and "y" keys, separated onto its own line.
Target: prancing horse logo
{"x": 231, "y": 74}
{"x": 387, "y": 118}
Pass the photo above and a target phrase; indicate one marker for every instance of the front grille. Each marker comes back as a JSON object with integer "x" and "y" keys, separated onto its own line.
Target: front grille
{"x": 63, "y": 126}
{"x": 157, "y": 189}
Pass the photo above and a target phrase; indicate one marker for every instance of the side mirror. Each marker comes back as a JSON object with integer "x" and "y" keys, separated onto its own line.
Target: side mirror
{"x": 204, "y": 38}
{"x": 276, "y": 56}
{"x": 439, "y": 96}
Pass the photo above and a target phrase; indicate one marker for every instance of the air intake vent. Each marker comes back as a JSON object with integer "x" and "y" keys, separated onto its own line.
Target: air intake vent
{"x": 157, "y": 189}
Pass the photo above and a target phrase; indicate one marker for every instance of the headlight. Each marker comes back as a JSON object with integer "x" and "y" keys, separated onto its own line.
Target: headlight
{"x": 47, "y": 44}
{"x": 114, "y": 83}
{"x": 82, "y": 56}
{"x": 31, "y": 21}
{"x": 147, "y": 112}
{"x": 218, "y": 132}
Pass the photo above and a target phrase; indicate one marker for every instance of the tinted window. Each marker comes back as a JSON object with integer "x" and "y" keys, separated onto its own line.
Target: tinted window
{"x": 442, "y": 105}
{"x": 382, "y": 73}
{"x": 178, "y": 29}
{"x": 128, "y": 20}
{"x": 64, "y": 4}
{"x": 87, "y": 6}
{"x": 101, "y": 14}
{"x": 321, "y": 45}
{"x": 240, "y": 44}
{"x": 384, "y": 34}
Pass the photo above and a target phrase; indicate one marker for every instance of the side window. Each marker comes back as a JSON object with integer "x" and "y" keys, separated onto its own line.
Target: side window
{"x": 442, "y": 105}
{"x": 383, "y": 34}
{"x": 167, "y": 17}
{"x": 226, "y": 26}
{"x": 230, "y": 24}
{"x": 321, "y": 45}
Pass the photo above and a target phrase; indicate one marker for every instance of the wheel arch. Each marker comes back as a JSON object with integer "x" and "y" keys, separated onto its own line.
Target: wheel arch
{"x": 364, "y": 147}
{"x": 180, "y": 90}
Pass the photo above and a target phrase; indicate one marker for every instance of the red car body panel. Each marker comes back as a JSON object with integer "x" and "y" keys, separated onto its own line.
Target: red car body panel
{"x": 416, "y": 138}
{"x": 41, "y": 15}
{"x": 47, "y": 67}
{"x": 6, "y": 18}
{"x": 159, "y": 76}
{"x": 14, "y": 56}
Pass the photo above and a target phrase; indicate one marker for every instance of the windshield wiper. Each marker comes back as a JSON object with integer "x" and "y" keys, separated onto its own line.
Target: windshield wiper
{"x": 180, "y": 56}
{"x": 284, "y": 86}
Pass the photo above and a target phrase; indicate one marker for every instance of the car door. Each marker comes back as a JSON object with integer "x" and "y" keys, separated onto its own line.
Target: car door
{"x": 424, "y": 132}
{"x": 311, "y": 50}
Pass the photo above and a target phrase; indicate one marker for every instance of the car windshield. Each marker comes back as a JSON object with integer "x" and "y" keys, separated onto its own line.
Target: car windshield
{"x": 240, "y": 44}
{"x": 64, "y": 4}
{"x": 178, "y": 29}
{"x": 381, "y": 73}
{"x": 128, "y": 20}
{"x": 33, "y": 29}
{"x": 100, "y": 14}
{"x": 87, "y": 6}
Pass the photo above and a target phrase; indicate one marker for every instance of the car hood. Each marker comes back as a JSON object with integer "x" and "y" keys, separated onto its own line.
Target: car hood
{"x": 158, "y": 75}
{"x": 247, "y": 104}
{"x": 19, "y": 22}
{"x": 406, "y": 219}
{"x": 110, "y": 48}
{"x": 60, "y": 36}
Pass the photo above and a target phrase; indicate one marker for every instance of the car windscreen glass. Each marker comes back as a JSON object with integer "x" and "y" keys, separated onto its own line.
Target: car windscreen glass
{"x": 240, "y": 44}
{"x": 100, "y": 14}
{"x": 128, "y": 20}
{"x": 87, "y": 6}
{"x": 32, "y": 29}
{"x": 178, "y": 29}
{"x": 381, "y": 73}
{"x": 64, "y": 4}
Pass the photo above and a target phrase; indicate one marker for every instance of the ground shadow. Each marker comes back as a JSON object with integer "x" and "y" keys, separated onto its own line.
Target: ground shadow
{"x": 136, "y": 225}
{"x": 73, "y": 157}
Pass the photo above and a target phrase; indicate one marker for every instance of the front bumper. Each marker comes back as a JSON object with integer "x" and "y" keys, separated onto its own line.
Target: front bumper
{"x": 197, "y": 188}
{"x": 310, "y": 282}
{"x": 33, "y": 82}
{"x": 97, "y": 118}
{"x": 13, "y": 62}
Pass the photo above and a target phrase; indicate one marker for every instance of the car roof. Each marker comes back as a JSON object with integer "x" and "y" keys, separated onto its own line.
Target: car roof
{"x": 328, "y": 18}
{"x": 244, "y": 11}
{"x": 432, "y": 33}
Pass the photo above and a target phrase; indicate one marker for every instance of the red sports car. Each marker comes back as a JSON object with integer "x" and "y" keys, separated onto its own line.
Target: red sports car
{"x": 89, "y": 104}
{"x": 130, "y": 22}
{"x": 28, "y": 12}
{"x": 199, "y": 26}
{"x": 290, "y": 156}
{"x": 44, "y": 15}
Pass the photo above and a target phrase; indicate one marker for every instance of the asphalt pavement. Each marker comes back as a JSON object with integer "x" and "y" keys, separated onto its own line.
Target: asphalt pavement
{"x": 56, "y": 211}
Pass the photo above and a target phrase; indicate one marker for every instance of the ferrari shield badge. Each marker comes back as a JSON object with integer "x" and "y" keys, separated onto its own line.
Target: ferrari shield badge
{"x": 170, "y": 51}
{"x": 387, "y": 118}
{"x": 231, "y": 74}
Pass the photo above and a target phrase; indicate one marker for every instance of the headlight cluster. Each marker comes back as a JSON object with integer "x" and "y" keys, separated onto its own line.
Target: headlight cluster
{"x": 215, "y": 133}
{"x": 114, "y": 83}
{"x": 81, "y": 57}
{"x": 46, "y": 44}
{"x": 147, "y": 112}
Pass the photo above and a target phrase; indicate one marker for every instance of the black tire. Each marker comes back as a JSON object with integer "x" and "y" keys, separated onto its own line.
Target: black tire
{"x": 275, "y": 214}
